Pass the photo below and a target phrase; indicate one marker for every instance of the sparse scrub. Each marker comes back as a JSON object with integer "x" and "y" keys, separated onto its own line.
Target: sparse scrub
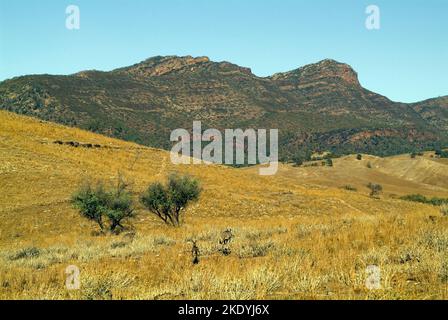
{"x": 444, "y": 210}
{"x": 105, "y": 287}
{"x": 435, "y": 240}
{"x": 163, "y": 241}
{"x": 263, "y": 234}
{"x": 26, "y": 253}
{"x": 443, "y": 273}
{"x": 422, "y": 199}
{"x": 255, "y": 249}
{"x": 409, "y": 254}
{"x": 169, "y": 201}
{"x": 119, "y": 244}
{"x": 375, "y": 189}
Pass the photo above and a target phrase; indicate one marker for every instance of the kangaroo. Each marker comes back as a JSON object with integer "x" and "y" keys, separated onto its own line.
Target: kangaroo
{"x": 195, "y": 252}
{"x": 226, "y": 237}
{"x": 225, "y": 240}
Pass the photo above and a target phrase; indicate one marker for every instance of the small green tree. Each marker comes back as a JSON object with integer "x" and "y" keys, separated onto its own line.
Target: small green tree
{"x": 156, "y": 200}
{"x": 119, "y": 206}
{"x": 91, "y": 202}
{"x": 375, "y": 189}
{"x": 96, "y": 202}
{"x": 170, "y": 200}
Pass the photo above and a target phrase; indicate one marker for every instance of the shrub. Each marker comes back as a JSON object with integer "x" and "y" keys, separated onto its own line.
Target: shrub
{"x": 255, "y": 249}
{"x": 169, "y": 201}
{"x": 444, "y": 210}
{"x": 297, "y": 160}
{"x": 359, "y": 157}
{"x": 415, "y": 198}
{"x": 375, "y": 189}
{"x": 25, "y": 253}
{"x": 350, "y": 188}
{"x": 96, "y": 202}
{"x": 422, "y": 199}
{"x": 329, "y": 162}
{"x": 91, "y": 202}
{"x": 441, "y": 153}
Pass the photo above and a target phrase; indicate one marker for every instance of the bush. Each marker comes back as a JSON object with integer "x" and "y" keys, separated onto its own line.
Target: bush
{"x": 441, "y": 153}
{"x": 375, "y": 189}
{"x": 329, "y": 162}
{"x": 444, "y": 210}
{"x": 422, "y": 199}
{"x": 297, "y": 161}
{"x": 96, "y": 202}
{"x": 25, "y": 253}
{"x": 91, "y": 202}
{"x": 169, "y": 201}
{"x": 255, "y": 249}
{"x": 350, "y": 188}
{"x": 359, "y": 157}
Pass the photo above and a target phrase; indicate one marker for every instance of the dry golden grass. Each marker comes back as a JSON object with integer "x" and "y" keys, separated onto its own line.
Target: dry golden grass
{"x": 296, "y": 237}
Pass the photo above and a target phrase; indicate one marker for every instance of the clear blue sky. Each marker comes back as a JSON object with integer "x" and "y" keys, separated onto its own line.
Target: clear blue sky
{"x": 406, "y": 60}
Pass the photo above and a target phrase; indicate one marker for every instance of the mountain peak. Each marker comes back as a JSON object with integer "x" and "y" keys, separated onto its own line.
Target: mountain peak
{"x": 320, "y": 71}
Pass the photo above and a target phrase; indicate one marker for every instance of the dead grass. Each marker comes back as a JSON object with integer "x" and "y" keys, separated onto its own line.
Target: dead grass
{"x": 293, "y": 239}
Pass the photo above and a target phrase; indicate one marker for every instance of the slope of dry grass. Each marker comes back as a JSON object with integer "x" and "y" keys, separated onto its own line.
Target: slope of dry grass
{"x": 400, "y": 175}
{"x": 295, "y": 237}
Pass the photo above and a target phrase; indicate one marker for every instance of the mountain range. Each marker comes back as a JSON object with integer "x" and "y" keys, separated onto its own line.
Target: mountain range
{"x": 318, "y": 107}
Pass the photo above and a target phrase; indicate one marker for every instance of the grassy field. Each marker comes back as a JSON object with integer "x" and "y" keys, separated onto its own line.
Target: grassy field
{"x": 298, "y": 235}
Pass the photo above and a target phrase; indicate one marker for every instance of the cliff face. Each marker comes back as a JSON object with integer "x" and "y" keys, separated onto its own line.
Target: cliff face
{"x": 318, "y": 106}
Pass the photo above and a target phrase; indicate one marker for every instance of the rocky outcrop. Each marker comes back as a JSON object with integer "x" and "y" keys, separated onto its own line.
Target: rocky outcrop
{"x": 321, "y": 73}
{"x": 158, "y": 66}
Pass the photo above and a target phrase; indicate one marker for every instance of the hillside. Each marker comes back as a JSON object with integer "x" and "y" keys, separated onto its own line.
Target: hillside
{"x": 321, "y": 106}
{"x": 399, "y": 175}
{"x": 293, "y": 239}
